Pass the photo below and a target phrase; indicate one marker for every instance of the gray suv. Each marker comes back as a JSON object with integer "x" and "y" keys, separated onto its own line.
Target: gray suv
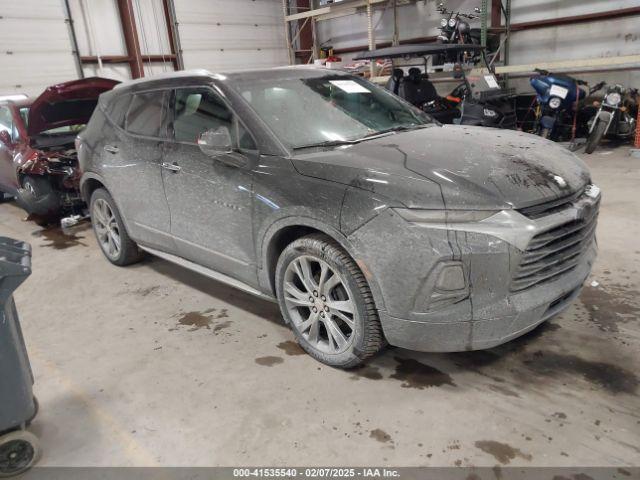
{"x": 363, "y": 218}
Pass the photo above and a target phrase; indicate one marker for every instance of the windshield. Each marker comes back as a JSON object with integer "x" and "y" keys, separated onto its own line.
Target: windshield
{"x": 310, "y": 111}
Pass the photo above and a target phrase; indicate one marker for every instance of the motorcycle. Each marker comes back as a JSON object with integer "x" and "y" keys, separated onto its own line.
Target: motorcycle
{"x": 455, "y": 28}
{"x": 556, "y": 97}
{"x": 615, "y": 118}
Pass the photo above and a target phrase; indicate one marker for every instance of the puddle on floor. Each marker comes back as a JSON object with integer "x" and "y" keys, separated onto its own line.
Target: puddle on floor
{"x": 502, "y": 452}
{"x": 59, "y": 239}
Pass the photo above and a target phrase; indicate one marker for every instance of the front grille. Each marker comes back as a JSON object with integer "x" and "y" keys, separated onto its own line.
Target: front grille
{"x": 547, "y": 208}
{"x": 555, "y": 252}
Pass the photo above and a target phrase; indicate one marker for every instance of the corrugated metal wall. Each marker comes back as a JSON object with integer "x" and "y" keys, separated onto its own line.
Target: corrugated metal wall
{"x": 217, "y": 35}
{"x": 35, "y": 48}
{"x": 231, "y": 34}
{"x": 242, "y": 34}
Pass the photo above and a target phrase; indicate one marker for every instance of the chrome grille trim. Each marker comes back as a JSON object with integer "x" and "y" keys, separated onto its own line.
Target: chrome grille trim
{"x": 556, "y": 251}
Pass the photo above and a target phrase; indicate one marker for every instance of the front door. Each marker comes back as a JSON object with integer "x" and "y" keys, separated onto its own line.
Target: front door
{"x": 210, "y": 198}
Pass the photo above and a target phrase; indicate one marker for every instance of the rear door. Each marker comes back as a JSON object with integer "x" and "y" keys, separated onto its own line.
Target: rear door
{"x": 210, "y": 199}
{"x": 133, "y": 165}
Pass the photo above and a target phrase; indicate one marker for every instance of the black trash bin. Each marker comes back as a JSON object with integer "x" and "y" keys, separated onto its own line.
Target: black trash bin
{"x": 18, "y": 448}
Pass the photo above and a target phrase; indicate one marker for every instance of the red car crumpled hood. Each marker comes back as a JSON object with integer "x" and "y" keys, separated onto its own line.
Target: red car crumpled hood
{"x": 69, "y": 103}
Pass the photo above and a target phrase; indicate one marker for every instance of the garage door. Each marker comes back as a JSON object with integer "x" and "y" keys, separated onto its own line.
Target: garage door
{"x": 27, "y": 63}
{"x": 224, "y": 35}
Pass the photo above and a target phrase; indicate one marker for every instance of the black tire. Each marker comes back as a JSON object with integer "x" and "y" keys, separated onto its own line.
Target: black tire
{"x": 19, "y": 451}
{"x": 367, "y": 337}
{"x": 5, "y": 197}
{"x": 596, "y": 137}
{"x": 129, "y": 252}
{"x": 37, "y": 196}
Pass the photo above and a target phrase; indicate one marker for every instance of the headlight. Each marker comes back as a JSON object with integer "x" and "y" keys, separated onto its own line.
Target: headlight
{"x": 443, "y": 22}
{"x": 444, "y": 216}
{"x": 490, "y": 113}
{"x": 613, "y": 99}
{"x": 452, "y": 22}
{"x": 555, "y": 102}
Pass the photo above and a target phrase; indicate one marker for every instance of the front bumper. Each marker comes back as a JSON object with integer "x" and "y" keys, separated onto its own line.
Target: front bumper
{"x": 404, "y": 263}
{"x": 524, "y": 312}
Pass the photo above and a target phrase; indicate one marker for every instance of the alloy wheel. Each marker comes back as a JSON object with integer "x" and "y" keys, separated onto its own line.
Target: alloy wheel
{"x": 320, "y": 304}
{"x": 29, "y": 188}
{"x": 106, "y": 227}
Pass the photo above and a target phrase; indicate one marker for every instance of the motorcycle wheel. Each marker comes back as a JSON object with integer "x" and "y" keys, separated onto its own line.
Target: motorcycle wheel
{"x": 596, "y": 137}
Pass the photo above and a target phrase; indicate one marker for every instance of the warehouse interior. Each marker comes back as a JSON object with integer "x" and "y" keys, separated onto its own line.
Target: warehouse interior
{"x": 165, "y": 363}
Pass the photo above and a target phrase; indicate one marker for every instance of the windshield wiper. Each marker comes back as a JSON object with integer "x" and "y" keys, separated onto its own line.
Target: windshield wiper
{"x": 328, "y": 143}
{"x": 402, "y": 128}
{"x": 338, "y": 143}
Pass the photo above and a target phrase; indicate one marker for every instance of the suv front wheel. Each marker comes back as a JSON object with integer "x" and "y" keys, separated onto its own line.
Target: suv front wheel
{"x": 110, "y": 231}
{"x": 327, "y": 302}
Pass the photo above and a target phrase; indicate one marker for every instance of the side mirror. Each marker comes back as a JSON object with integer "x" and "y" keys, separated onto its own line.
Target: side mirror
{"x": 6, "y": 139}
{"x": 216, "y": 142}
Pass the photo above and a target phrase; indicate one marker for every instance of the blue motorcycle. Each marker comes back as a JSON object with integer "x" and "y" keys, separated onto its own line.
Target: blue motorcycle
{"x": 557, "y": 97}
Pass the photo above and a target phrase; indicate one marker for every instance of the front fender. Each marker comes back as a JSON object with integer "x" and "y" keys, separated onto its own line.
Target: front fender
{"x": 602, "y": 116}
{"x": 268, "y": 235}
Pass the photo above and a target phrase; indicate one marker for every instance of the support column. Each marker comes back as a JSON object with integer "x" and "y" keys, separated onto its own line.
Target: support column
{"x": 287, "y": 32}
{"x": 484, "y": 15}
{"x": 173, "y": 35}
{"x": 372, "y": 41}
{"x": 128, "y": 22}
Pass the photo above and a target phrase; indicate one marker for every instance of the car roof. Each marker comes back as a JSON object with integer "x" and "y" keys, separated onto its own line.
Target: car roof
{"x": 173, "y": 78}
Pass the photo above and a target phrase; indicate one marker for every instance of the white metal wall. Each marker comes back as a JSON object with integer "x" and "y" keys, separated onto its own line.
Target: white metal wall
{"x": 218, "y": 35}
{"x": 99, "y": 33}
{"x": 223, "y": 35}
{"x": 36, "y": 50}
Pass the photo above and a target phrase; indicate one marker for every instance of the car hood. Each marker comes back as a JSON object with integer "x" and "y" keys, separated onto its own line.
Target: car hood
{"x": 475, "y": 167}
{"x": 69, "y": 103}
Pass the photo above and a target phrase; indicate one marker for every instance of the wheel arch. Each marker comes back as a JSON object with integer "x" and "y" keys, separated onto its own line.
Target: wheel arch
{"x": 285, "y": 231}
{"x": 89, "y": 184}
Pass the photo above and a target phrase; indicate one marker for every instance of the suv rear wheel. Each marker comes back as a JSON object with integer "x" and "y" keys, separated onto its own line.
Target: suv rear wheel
{"x": 327, "y": 302}
{"x": 110, "y": 231}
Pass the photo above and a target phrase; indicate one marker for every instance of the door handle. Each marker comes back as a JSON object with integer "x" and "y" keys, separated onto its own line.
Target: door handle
{"x": 172, "y": 167}
{"x": 111, "y": 149}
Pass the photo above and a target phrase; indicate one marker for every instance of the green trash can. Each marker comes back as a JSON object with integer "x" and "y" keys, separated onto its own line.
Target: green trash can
{"x": 19, "y": 448}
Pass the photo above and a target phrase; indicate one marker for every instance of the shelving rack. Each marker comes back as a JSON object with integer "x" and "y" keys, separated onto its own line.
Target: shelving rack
{"x": 301, "y": 17}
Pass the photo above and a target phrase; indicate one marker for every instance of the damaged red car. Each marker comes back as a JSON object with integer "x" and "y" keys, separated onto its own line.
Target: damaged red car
{"x": 38, "y": 159}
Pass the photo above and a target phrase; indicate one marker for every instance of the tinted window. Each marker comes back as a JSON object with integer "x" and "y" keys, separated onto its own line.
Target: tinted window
{"x": 117, "y": 109}
{"x": 147, "y": 113}
{"x": 197, "y": 110}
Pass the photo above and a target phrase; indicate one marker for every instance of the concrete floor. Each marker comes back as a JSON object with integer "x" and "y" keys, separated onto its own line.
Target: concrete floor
{"x": 154, "y": 365}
